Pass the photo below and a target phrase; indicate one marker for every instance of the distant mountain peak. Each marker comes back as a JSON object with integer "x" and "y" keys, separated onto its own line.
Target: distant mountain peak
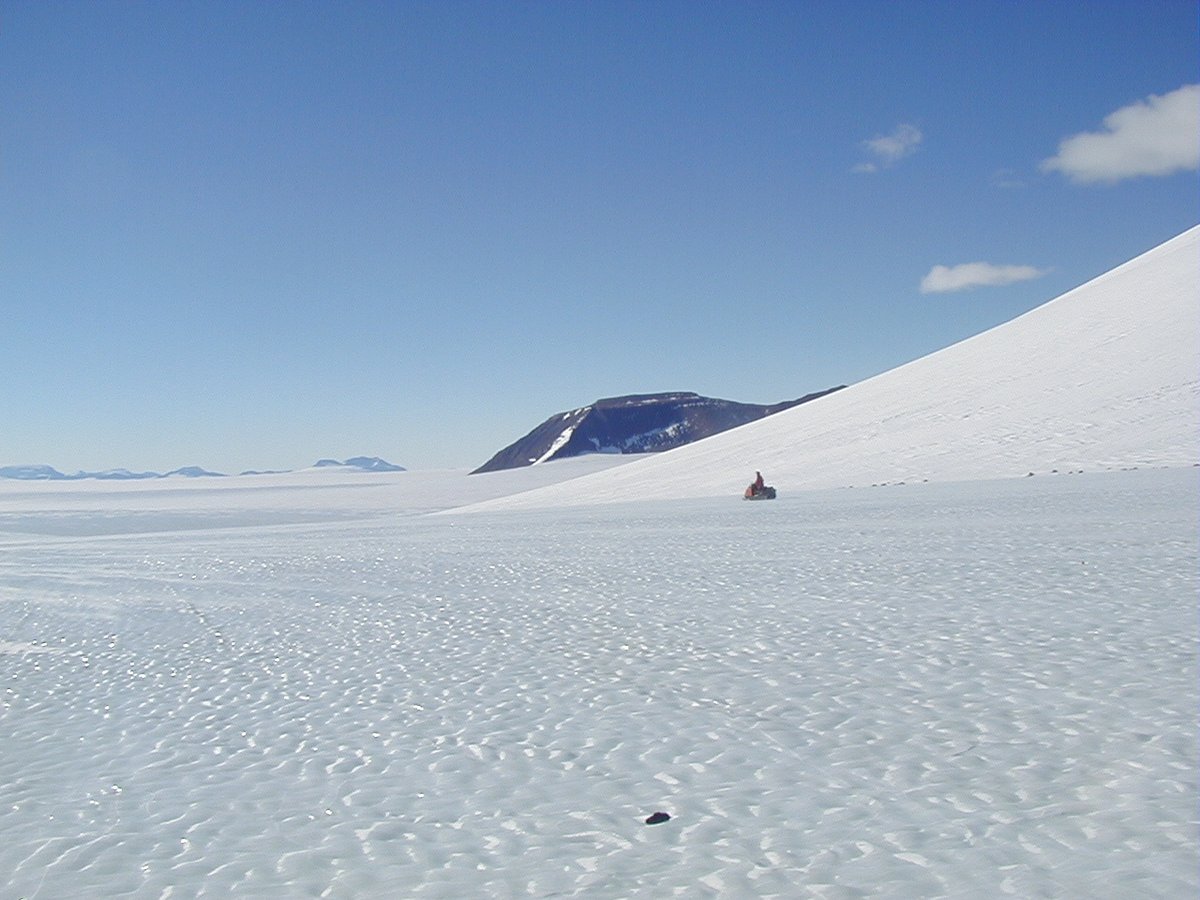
{"x": 117, "y": 475}
{"x": 361, "y": 463}
{"x": 32, "y": 473}
{"x": 49, "y": 473}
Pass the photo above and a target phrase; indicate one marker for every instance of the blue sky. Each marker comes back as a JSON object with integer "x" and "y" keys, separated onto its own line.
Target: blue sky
{"x": 249, "y": 235}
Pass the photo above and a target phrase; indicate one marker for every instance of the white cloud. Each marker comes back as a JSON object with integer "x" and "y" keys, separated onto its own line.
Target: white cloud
{"x": 943, "y": 279}
{"x": 1157, "y": 136}
{"x": 887, "y": 149}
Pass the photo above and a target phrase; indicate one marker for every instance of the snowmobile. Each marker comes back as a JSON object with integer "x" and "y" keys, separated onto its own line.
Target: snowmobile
{"x": 766, "y": 492}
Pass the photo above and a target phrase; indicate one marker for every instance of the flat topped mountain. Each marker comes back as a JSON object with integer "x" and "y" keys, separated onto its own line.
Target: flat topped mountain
{"x": 637, "y": 423}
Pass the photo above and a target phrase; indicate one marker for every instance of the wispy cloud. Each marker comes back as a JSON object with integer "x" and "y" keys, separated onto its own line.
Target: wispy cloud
{"x": 944, "y": 279}
{"x": 1008, "y": 178}
{"x": 888, "y": 149}
{"x": 1156, "y": 136}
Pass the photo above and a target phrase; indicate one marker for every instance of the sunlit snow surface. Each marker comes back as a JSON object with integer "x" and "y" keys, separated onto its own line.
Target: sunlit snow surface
{"x": 961, "y": 690}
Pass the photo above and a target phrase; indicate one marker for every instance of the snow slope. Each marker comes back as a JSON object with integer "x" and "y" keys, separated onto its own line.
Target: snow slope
{"x": 1106, "y": 376}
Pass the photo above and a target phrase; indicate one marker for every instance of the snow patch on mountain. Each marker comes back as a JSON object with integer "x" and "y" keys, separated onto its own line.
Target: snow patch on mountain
{"x": 558, "y": 443}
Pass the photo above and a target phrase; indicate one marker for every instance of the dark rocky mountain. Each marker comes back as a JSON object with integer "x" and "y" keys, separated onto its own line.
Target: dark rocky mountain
{"x": 639, "y": 423}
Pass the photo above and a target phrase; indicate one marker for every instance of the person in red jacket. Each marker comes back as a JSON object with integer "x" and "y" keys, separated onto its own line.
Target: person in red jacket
{"x": 755, "y": 486}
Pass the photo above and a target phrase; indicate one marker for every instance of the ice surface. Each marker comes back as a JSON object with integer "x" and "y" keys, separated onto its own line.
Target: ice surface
{"x": 962, "y": 690}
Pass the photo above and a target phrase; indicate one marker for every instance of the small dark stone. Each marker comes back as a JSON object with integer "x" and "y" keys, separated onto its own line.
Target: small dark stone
{"x": 657, "y": 818}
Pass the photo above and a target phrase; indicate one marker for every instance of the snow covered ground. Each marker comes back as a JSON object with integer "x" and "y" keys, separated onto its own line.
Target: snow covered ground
{"x": 330, "y": 684}
{"x": 963, "y": 690}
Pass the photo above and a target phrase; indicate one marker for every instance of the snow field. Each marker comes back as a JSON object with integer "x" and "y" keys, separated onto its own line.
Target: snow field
{"x": 955, "y": 690}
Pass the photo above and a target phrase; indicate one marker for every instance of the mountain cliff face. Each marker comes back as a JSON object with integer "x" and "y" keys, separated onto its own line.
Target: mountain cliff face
{"x": 639, "y": 423}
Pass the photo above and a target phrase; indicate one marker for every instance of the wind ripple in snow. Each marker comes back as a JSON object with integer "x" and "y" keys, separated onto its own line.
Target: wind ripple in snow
{"x": 977, "y": 690}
